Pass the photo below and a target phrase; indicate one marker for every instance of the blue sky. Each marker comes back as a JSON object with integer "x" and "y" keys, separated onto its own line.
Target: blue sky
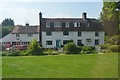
{"x": 27, "y": 12}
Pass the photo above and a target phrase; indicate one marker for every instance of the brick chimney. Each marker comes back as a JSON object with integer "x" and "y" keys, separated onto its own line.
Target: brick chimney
{"x": 27, "y": 24}
{"x": 84, "y": 16}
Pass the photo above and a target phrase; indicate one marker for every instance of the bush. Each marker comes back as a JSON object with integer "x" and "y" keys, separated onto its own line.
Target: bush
{"x": 4, "y": 53}
{"x": 104, "y": 46}
{"x": 50, "y": 52}
{"x": 23, "y": 53}
{"x": 80, "y": 48}
{"x": 114, "y": 48}
{"x": 13, "y": 52}
{"x": 34, "y": 48}
{"x": 71, "y": 48}
{"x": 87, "y": 50}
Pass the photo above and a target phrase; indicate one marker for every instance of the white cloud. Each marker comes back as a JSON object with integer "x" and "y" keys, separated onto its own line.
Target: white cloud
{"x": 20, "y": 15}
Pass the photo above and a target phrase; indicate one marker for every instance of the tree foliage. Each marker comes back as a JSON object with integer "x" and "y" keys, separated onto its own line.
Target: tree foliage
{"x": 7, "y": 22}
{"x": 34, "y": 48}
{"x": 5, "y": 30}
{"x": 110, "y": 18}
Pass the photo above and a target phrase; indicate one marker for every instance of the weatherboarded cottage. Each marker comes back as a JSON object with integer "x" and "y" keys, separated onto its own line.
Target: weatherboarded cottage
{"x": 54, "y": 32}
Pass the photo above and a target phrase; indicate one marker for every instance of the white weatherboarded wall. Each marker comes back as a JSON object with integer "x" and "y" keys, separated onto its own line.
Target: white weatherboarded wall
{"x": 23, "y": 38}
{"x": 73, "y": 35}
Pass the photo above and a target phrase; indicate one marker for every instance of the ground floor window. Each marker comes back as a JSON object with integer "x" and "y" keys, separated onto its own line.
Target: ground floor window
{"x": 20, "y": 43}
{"x": 66, "y": 41}
{"x": 97, "y": 42}
{"x": 79, "y": 43}
{"x": 48, "y": 42}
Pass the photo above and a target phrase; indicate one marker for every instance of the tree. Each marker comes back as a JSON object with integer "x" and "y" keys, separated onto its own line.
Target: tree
{"x": 5, "y": 30}
{"x": 34, "y": 48}
{"x": 7, "y": 22}
{"x": 110, "y": 18}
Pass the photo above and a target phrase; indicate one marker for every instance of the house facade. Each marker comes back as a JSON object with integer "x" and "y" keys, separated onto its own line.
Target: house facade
{"x": 54, "y": 32}
{"x": 59, "y": 31}
{"x": 21, "y": 35}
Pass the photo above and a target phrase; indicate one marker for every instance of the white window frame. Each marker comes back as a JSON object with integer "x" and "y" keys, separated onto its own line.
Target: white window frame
{"x": 47, "y": 24}
{"x": 75, "y": 24}
{"x": 30, "y": 34}
{"x": 17, "y": 35}
{"x": 66, "y": 24}
{"x": 57, "y": 24}
{"x": 97, "y": 42}
{"x": 49, "y": 41}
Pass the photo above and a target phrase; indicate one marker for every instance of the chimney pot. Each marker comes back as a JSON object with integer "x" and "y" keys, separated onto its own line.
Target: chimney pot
{"x": 84, "y": 16}
{"x": 27, "y": 24}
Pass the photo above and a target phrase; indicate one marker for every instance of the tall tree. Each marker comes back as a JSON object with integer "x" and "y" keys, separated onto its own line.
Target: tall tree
{"x": 110, "y": 18}
{"x": 8, "y": 22}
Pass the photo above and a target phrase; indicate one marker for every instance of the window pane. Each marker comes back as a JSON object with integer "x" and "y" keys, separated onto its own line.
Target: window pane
{"x": 66, "y": 24}
{"x": 79, "y": 43}
{"x": 48, "y": 33}
{"x": 65, "y": 32}
{"x": 48, "y": 24}
{"x": 65, "y": 41}
{"x": 96, "y": 34}
{"x": 96, "y": 42}
{"x": 17, "y": 35}
{"x": 79, "y": 33}
{"x": 57, "y": 24}
{"x": 48, "y": 42}
{"x": 75, "y": 24}
{"x": 30, "y": 34}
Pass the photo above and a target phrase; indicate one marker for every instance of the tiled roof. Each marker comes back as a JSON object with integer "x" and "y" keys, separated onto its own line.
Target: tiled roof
{"x": 94, "y": 25}
{"x": 25, "y": 29}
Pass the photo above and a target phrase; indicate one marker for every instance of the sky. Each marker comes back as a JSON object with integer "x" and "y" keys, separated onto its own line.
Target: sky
{"x": 27, "y": 11}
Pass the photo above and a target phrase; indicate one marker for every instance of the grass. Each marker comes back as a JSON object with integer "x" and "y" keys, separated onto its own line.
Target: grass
{"x": 61, "y": 66}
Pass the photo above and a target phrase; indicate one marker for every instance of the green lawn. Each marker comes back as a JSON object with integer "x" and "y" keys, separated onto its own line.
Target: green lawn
{"x": 62, "y": 66}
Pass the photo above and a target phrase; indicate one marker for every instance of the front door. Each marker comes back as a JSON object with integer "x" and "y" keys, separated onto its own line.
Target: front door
{"x": 57, "y": 43}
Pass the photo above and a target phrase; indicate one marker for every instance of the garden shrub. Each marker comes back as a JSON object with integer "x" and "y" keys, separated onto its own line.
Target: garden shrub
{"x": 71, "y": 48}
{"x": 23, "y": 53}
{"x": 87, "y": 50}
{"x": 34, "y": 48}
{"x": 80, "y": 48}
{"x": 4, "y": 53}
{"x": 50, "y": 52}
{"x": 14, "y": 52}
{"x": 104, "y": 46}
{"x": 114, "y": 48}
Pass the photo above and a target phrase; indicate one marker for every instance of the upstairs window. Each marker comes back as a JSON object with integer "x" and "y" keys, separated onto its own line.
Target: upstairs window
{"x": 48, "y": 24}
{"x": 17, "y": 35}
{"x": 66, "y": 33}
{"x": 76, "y": 24}
{"x": 57, "y": 24}
{"x": 66, "y": 24}
{"x": 48, "y": 33}
{"x": 30, "y": 34}
{"x": 96, "y": 34}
